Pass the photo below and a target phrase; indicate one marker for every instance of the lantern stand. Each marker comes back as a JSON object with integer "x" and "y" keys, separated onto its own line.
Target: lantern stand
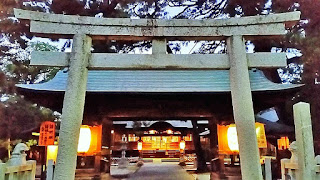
{"x": 123, "y": 162}
{"x": 182, "y": 146}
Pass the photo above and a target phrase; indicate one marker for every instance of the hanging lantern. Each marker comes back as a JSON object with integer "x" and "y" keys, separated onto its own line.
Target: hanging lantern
{"x": 140, "y": 145}
{"x": 283, "y": 143}
{"x": 89, "y": 140}
{"x": 182, "y": 145}
{"x": 84, "y": 139}
{"x": 232, "y": 138}
{"x": 228, "y": 138}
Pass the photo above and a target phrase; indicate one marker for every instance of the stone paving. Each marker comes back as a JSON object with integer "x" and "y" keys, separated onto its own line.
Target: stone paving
{"x": 163, "y": 171}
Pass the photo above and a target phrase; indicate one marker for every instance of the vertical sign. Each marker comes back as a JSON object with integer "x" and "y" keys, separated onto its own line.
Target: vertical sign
{"x": 47, "y": 133}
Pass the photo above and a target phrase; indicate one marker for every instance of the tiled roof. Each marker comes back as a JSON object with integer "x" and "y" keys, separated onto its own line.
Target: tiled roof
{"x": 159, "y": 81}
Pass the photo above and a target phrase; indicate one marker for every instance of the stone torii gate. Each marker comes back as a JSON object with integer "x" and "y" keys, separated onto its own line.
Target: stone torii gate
{"x": 80, "y": 60}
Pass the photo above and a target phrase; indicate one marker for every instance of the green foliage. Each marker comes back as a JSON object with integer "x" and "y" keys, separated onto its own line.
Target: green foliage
{"x": 17, "y": 62}
{"x": 20, "y": 117}
{"x": 31, "y": 142}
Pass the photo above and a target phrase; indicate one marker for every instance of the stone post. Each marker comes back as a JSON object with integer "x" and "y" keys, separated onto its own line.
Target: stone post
{"x": 243, "y": 109}
{"x": 267, "y": 169}
{"x": 304, "y": 140}
{"x": 73, "y": 107}
{"x": 159, "y": 46}
{"x": 50, "y": 170}
{"x": 3, "y": 169}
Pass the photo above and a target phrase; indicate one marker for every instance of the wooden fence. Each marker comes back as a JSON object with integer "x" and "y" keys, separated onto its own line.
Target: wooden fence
{"x": 22, "y": 172}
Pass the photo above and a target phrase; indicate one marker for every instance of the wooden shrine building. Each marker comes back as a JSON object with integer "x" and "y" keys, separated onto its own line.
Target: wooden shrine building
{"x": 116, "y": 96}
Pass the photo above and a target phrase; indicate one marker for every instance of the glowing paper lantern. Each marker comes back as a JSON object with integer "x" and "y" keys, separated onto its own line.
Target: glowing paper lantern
{"x": 228, "y": 139}
{"x": 182, "y": 145}
{"x": 233, "y": 138}
{"x": 84, "y": 139}
{"x": 139, "y": 145}
{"x": 89, "y": 140}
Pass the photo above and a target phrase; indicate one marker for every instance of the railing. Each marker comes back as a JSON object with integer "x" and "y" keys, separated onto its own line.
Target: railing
{"x": 290, "y": 170}
{"x": 22, "y": 172}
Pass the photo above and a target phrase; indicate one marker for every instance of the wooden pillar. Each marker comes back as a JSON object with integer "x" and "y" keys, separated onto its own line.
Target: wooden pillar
{"x": 106, "y": 141}
{"x": 243, "y": 109}
{"x": 304, "y": 139}
{"x": 73, "y": 107}
{"x": 213, "y": 136}
{"x": 213, "y": 142}
{"x": 222, "y": 167}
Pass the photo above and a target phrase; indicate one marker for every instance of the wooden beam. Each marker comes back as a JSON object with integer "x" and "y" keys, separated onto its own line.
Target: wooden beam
{"x": 82, "y": 20}
{"x": 153, "y": 113}
{"x": 157, "y": 31}
{"x": 158, "y": 61}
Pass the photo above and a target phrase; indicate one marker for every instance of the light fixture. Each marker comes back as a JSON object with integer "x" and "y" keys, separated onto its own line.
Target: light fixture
{"x": 233, "y": 138}
{"x": 169, "y": 131}
{"x": 139, "y": 145}
{"x": 84, "y": 139}
{"x": 35, "y": 134}
{"x": 228, "y": 138}
{"x": 89, "y": 140}
{"x": 182, "y": 145}
{"x": 52, "y": 152}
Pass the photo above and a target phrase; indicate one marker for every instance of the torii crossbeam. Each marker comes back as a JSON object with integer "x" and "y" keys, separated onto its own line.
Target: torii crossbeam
{"x": 84, "y": 29}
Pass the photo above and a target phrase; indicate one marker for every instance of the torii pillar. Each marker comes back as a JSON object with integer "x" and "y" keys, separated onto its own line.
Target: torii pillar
{"x": 243, "y": 109}
{"x": 73, "y": 107}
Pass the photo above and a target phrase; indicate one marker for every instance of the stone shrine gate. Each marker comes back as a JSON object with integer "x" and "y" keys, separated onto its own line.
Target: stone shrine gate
{"x": 85, "y": 29}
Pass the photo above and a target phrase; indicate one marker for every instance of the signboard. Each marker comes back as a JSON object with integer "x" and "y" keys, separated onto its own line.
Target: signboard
{"x": 47, "y": 133}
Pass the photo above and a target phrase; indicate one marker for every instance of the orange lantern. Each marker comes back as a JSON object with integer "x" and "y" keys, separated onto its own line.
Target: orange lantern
{"x": 228, "y": 139}
{"x": 283, "y": 143}
{"x": 89, "y": 140}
